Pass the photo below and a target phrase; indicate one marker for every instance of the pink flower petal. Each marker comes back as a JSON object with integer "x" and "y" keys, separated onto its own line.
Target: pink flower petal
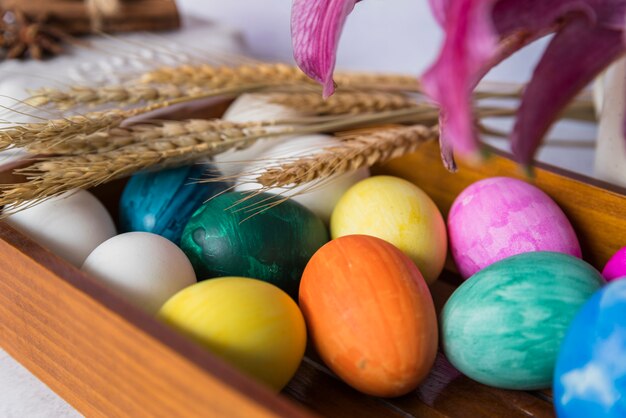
{"x": 315, "y": 30}
{"x": 511, "y": 16}
{"x": 469, "y": 45}
{"x": 473, "y": 29}
{"x": 573, "y": 58}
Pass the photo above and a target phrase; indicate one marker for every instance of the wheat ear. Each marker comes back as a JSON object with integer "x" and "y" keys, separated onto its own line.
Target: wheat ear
{"x": 343, "y": 102}
{"x": 117, "y": 137}
{"x": 206, "y": 80}
{"x": 59, "y": 130}
{"x": 52, "y": 176}
{"x": 275, "y": 74}
{"x": 363, "y": 150}
{"x": 211, "y": 76}
{"x": 123, "y": 94}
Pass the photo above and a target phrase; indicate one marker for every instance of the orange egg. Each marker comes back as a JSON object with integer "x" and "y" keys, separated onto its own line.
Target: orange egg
{"x": 370, "y": 315}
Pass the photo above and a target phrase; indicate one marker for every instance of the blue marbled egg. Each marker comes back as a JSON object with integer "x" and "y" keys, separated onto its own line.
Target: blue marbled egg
{"x": 590, "y": 375}
{"x": 162, "y": 202}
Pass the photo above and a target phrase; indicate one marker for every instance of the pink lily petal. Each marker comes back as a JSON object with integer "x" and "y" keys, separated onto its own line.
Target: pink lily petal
{"x": 473, "y": 29}
{"x": 470, "y": 43}
{"x": 315, "y": 30}
{"x": 577, "y": 54}
{"x": 511, "y": 16}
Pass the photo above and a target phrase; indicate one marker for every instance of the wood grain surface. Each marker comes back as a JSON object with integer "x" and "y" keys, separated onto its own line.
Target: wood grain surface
{"x": 108, "y": 359}
{"x": 134, "y": 15}
{"x": 104, "y": 356}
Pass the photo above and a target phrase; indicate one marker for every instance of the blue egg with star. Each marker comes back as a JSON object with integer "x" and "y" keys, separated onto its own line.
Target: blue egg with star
{"x": 162, "y": 202}
{"x": 590, "y": 375}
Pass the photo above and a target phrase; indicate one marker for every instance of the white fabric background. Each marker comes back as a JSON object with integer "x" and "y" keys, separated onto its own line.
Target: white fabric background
{"x": 382, "y": 35}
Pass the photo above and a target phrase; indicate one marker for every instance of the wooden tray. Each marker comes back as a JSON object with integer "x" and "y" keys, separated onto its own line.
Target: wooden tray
{"x": 109, "y": 359}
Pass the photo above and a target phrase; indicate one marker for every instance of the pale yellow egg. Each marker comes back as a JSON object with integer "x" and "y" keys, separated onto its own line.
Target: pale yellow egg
{"x": 251, "y": 324}
{"x": 399, "y": 212}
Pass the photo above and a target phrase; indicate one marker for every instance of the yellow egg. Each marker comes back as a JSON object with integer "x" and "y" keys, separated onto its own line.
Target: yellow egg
{"x": 251, "y": 324}
{"x": 399, "y": 212}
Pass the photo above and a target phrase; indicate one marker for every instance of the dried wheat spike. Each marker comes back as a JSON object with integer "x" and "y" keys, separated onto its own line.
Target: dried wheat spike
{"x": 187, "y": 143}
{"x": 116, "y": 137}
{"x": 355, "y": 152}
{"x": 91, "y": 96}
{"x": 344, "y": 102}
{"x": 216, "y": 77}
{"x": 274, "y": 74}
{"x": 60, "y": 130}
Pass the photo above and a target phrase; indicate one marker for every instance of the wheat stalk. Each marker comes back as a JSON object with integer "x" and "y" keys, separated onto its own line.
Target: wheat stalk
{"x": 53, "y": 176}
{"x": 124, "y": 150}
{"x": 206, "y": 80}
{"x": 59, "y": 130}
{"x": 123, "y": 94}
{"x": 219, "y": 76}
{"x": 162, "y": 145}
{"x": 162, "y": 131}
{"x": 275, "y": 74}
{"x": 344, "y": 102}
{"x": 362, "y": 150}
{"x": 173, "y": 83}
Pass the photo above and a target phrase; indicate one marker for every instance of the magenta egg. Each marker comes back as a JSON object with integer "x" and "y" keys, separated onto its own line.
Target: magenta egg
{"x": 615, "y": 268}
{"x": 499, "y": 217}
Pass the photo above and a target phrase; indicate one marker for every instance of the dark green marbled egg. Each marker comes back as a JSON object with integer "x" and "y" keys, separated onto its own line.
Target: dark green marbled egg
{"x": 274, "y": 245}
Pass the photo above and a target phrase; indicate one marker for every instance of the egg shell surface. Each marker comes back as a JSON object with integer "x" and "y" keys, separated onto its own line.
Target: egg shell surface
{"x": 162, "y": 202}
{"x": 399, "y": 212}
{"x": 590, "y": 376}
{"x": 370, "y": 315}
{"x": 250, "y": 323}
{"x": 615, "y": 268}
{"x": 145, "y": 268}
{"x": 273, "y": 244}
{"x": 70, "y": 225}
{"x": 251, "y": 108}
{"x": 503, "y": 327}
{"x": 320, "y": 196}
{"x": 498, "y": 217}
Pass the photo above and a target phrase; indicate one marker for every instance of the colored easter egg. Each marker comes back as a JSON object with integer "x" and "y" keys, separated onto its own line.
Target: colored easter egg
{"x": 144, "y": 268}
{"x": 590, "y": 375}
{"x": 503, "y": 327}
{"x": 70, "y": 225}
{"x": 262, "y": 237}
{"x": 616, "y": 266}
{"x": 498, "y": 217}
{"x": 251, "y": 108}
{"x": 370, "y": 315}
{"x": 162, "y": 202}
{"x": 320, "y": 196}
{"x": 250, "y": 323}
{"x": 399, "y": 212}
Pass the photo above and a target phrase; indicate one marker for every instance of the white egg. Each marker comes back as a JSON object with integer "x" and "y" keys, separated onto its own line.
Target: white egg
{"x": 144, "y": 268}
{"x": 319, "y": 196}
{"x": 70, "y": 225}
{"x": 251, "y": 108}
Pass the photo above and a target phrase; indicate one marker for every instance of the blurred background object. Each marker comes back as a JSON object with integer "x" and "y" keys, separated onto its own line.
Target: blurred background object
{"x": 85, "y": 16}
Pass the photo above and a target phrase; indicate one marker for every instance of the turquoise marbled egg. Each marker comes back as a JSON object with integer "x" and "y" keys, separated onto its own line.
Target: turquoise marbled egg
{"x": 503, "y": 327}
{"x": 230, "y": 237}
{"x": 590, "y": 376}
{"x": 162, "y": 202}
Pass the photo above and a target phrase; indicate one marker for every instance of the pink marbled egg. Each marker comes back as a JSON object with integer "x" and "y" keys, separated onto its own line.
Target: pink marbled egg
{"x": 615, "y": 268}
{"x": 499, "y": 217}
